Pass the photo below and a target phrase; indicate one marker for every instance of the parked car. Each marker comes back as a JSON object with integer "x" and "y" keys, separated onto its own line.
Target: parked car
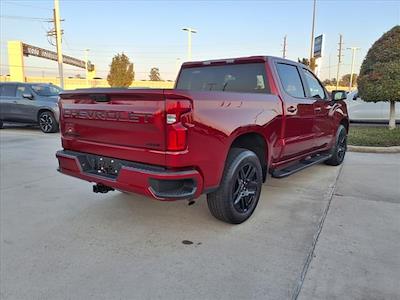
{"x": 34, "y": 103}
{"x": 225, "y": 126}
{"x": 362, "y": 111}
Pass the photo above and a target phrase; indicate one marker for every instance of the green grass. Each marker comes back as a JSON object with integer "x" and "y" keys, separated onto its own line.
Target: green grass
{"x": 373, "y": 136}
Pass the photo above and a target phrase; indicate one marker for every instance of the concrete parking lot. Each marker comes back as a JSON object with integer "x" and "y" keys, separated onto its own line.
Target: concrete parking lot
{"x": 324, "y": 233}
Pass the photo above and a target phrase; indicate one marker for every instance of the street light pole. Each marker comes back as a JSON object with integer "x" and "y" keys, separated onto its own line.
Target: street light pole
{"x": 353, "y": 56}
{"x": 178, "y": 65}
{"x": 190, "y": 31}
{"x": 57, "y": 24}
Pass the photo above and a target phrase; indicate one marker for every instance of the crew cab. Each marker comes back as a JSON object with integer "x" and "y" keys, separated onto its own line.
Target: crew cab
{"x": 225, "y": 126}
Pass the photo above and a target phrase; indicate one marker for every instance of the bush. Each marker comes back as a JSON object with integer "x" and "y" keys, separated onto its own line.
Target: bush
{"x": 379, "y": 78}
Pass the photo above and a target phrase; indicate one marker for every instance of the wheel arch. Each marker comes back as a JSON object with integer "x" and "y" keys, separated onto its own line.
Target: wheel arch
{"x": 256, "y": 142}
{"x": 346, "y": 123}
{"x": 44, "y": 109}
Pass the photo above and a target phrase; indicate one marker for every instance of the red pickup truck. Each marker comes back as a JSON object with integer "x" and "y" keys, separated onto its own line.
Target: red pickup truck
{"x": 220, "y": 131}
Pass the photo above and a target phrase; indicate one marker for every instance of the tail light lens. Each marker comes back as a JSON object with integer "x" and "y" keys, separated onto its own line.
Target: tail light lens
{"x": 178, "y": 113}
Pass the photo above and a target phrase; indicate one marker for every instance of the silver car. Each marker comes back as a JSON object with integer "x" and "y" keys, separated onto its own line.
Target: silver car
{"x": 362, "y": 111}
{"x": 35, "y": 103}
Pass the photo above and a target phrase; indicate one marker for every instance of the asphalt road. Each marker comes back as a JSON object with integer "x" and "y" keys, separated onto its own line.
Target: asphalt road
{"x": 324, "y": 233}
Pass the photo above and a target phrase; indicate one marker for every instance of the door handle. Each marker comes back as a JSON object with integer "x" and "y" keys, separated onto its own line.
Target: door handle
{"x": 15, "y": 102}
{"x": 291, "y": 109}
{"x": 317, "y": 109}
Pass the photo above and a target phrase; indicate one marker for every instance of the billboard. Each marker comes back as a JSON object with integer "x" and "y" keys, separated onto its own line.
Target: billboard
{"x": 318, "y": 43}
{"x": 43, "y": 53}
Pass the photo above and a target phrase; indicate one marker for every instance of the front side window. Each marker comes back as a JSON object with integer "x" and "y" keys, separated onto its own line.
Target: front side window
{"x": 21, "y": 89}
{"x": 242, "y": 78}
{"x": 315, "y": 88}
{"x": 290, "y": 79}
{"x": 8, "y": 90}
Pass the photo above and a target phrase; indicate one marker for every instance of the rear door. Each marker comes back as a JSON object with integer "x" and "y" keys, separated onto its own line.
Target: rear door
{"x": 8, "y": 102}
{"x": 298, "y": 110}
{"x": 323, "y": 120}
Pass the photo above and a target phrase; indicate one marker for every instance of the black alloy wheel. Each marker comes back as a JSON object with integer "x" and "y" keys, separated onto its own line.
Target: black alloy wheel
{"x": 47, "y": 122}
{"x": 245, "y": 188}
{"x": 237, "y": 196}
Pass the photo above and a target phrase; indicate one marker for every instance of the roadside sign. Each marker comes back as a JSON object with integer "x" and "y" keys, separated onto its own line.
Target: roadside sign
{"x": 43, "y": 53}
{"x": 318, "y": 42}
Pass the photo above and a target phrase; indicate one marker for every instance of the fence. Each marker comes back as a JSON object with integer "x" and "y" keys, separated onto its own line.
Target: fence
{"x": 76, "y": 83}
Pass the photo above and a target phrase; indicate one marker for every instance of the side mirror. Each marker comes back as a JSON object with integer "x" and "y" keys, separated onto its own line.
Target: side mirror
{"x": 27, "y": 96}
{"x": 338, "y": 95}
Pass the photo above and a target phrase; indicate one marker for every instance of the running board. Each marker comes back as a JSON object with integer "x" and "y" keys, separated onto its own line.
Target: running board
{"x": 280, "y": 173}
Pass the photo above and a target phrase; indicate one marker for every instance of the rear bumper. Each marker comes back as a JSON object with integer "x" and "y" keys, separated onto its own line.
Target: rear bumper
{"x": 148, "y": 180}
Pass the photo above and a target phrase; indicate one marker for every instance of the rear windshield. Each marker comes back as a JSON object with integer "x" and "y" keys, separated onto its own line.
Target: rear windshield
{"x": 242, "y": 78}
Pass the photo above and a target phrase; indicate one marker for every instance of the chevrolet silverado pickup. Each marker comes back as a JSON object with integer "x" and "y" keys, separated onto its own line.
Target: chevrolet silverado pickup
{"x": 221, "y": 131}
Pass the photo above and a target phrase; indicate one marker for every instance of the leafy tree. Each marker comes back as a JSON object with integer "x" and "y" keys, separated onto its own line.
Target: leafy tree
{"x": 329, "y": 81}
{"x": 304, "y": 61}
{"x": 379, "y": 78}
{"x": 155, "y": 74}
{"x": 121, "y": 71}
{"x": 345, "y": 81}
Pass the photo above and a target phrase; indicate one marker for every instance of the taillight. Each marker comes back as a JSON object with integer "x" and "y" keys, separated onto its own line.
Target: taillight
{"x": 177, "y": 114}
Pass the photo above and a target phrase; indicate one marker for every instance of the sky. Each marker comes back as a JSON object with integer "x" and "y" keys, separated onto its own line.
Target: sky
{"x": 150, "y": 32}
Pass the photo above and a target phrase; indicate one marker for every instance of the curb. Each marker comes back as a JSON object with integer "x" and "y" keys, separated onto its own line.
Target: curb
{"x": 367, "y": 149}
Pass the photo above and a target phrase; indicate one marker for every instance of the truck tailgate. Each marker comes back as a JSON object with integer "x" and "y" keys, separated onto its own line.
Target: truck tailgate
{"x": 114, "y": 117}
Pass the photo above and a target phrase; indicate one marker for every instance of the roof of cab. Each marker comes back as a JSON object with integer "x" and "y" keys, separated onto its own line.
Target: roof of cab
{"x": 238, "y": 60}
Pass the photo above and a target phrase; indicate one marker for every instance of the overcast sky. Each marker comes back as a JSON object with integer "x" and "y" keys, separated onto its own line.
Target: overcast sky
{"x": 150, "y": 33}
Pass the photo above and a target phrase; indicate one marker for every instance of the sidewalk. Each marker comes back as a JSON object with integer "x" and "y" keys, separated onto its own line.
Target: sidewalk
{"x": 357, "y": 255}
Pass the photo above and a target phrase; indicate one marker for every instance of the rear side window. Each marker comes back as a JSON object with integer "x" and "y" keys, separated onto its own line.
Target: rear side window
{"x": 8, "y": 90}
{"x": 242, "y": 78}
{"x": 290, "y": 79}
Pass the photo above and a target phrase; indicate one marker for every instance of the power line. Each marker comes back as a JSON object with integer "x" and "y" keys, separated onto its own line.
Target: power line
{"x": 25, "y": 18}
{"x": 26, "y": 5}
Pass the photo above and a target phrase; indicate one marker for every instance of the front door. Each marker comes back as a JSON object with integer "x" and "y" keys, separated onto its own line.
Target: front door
{"x": 26, "y": 109}
{"x": 323, "y": 121}
{"x": 298, "y": 110}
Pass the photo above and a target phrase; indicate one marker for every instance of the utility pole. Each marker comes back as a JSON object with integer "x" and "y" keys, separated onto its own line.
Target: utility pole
{"x": 353, "y": 56}
{"x": 284, "y": 46}
{"x": 312, "y": 59}
{"x": 190, "y": 31}
{"x": 329, "y": 68}
{"x": 57, "y": 24}
{"x": 339, "y": 59}
{"x": 87, "y": 66}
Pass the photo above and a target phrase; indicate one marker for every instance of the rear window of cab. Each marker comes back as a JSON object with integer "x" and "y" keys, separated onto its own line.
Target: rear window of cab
{"x": 240, "y": 78}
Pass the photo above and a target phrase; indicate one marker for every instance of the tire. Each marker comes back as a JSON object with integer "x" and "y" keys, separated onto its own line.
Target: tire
{"x": 338, "y": 151}
{"x": 237, "y": 196}
{"x": 1, "y": 124}
{"x": 47, "y": 122}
